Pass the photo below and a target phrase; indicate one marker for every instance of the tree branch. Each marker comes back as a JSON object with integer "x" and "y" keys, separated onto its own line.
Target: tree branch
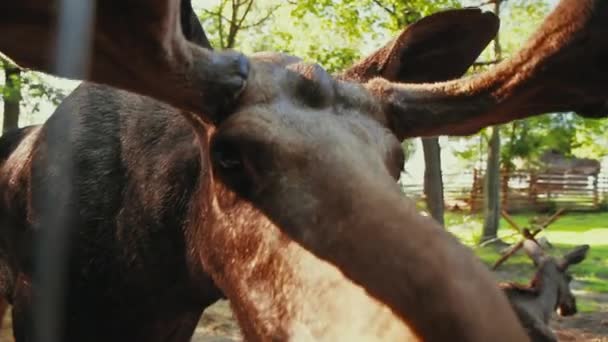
{"x": 490, "y": 2}
{"x": 247, "y": 10}
{"x": 235, "y": 22}
{"x": 486, "y": 63}
{"x": 215, "y": 14}
{"x": 220, "y": 25}
{"x": 6, "y": 62}
{"x": 263, "y": 19}
{"x": 384, "y": 7}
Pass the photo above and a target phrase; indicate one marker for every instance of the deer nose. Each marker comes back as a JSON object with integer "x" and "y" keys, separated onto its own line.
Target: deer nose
{"x": 243, "y": 66}
{"x": 567, "y": 310}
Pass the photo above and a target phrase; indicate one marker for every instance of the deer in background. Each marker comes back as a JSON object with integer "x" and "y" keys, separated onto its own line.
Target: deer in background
{"x": 296, "y": 214}
{"x": 548, "y": 292}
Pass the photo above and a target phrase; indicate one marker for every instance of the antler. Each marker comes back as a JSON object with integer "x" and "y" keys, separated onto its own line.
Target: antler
{"x": 436, "y": 48}
{"x": 527, "y": 235}
{"x": 561, "y": 68}
{"x": 137, "y": 45}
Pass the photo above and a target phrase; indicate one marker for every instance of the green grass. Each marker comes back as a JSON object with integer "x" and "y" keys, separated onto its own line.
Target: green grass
{"x": 588, "y": 306}
{"x": 568, "y": 231}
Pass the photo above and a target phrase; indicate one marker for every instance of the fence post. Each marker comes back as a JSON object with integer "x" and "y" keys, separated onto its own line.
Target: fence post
{"x": 532, "y": 190}
{"x": 472, "y": 193}
{"x": 596, "y": 193}
{"x": 506, "y": 175}
{"x": 603, "y": 188}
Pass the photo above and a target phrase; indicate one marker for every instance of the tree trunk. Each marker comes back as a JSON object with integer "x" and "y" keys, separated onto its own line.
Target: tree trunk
{"x": 433, "y": 182}
{"x": 492, "y": 188}
{"x": 11, "y": 96}
{"x": 491, "y": 205}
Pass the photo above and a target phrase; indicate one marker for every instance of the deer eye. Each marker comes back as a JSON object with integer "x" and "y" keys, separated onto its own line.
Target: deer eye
{"x": 228, "y": 159}
{"x": 226, "y": 156}
{"x": 228, "y": 164}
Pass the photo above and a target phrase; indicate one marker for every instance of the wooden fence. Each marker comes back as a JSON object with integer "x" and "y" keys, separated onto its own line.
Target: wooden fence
{"x": 522, "y": 190}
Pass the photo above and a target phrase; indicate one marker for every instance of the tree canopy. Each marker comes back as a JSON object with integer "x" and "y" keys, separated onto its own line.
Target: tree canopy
{"x": 335, "y": 33}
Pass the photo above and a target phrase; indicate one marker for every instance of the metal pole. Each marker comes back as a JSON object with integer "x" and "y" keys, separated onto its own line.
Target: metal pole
{"x": 72, "y": 58}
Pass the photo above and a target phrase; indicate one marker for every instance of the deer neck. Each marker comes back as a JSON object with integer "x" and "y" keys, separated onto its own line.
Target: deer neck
{"x": 277, "y": 289}
{"x": 548, "y": 292}
{"x": 280, "y": 291}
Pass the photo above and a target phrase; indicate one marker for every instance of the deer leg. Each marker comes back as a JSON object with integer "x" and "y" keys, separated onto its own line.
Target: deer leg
{"x": 3, "y": 308}
{"x": 22, "y": 311}
{"x": 540, "y": 332}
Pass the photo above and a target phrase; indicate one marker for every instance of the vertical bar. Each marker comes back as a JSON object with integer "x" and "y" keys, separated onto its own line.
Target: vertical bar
{"x": 596, "y": 193}
{"x": 74, "y": 33}
{"x": 72, "y": 58}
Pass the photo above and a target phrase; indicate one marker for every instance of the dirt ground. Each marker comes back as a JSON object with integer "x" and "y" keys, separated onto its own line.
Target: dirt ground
{"x": 588, "y": 327}
{"x": 218, "y": 325}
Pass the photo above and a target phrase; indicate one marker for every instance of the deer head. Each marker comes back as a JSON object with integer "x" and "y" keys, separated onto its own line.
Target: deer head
{"x": 305, "y": 152}
{"x": 554, "y": 272}
{"x": 317, "y": 156}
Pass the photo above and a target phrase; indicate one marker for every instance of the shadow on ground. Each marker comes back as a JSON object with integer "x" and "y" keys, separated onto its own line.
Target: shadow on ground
{"x": 218, "y": 325}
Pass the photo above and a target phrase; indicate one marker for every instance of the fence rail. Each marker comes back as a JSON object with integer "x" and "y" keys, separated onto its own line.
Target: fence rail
{"x": 522, "y": 190}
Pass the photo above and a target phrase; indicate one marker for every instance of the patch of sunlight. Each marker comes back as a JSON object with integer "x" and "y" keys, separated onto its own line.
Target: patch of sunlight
{"x": 594, "y": 237}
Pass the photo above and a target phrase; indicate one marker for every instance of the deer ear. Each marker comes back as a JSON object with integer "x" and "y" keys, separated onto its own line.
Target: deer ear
{"x": 438, "y": 47}
{"x": 191, "y": 26}
{"x": 573, "y": 257}
{"x": 534, "y": 251}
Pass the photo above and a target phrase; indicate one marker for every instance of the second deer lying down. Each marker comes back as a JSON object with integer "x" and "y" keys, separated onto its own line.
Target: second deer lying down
{"x": 548, "y": 292}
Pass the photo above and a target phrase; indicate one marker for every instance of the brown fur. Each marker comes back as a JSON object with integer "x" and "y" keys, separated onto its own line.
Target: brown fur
{"x": 411, "y": 65}
{"x": 559, "y": 69}
{"x": 276, "y": 184}
{"x": 530, "y": 289}
{"x": 268, "y": 140}
{"x": 3, "y": 308}
{"x": 161, "y": 63}
{"x": 548, "y": 291}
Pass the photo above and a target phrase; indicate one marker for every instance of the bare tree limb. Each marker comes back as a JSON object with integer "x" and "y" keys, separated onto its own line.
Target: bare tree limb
{"x": 220, "y": 19}
{"x": 214, "y": 14}
{"x": 386, "y": 8}
{"x": 489, "y": 2}
{"x": 485, "y": 3}
{"x": 263, "y": 19}
{"x": 244, "y": 16}
{"x": 229, "y": 27}
{"x": 236, "y": 21}
{"x": 486, "y": 63}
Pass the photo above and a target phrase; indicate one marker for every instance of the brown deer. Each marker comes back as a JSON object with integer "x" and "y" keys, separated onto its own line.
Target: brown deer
{"x": 296, "y": 212}
{"x": 548, "y": 292}
{"x": 131, "y": 205}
